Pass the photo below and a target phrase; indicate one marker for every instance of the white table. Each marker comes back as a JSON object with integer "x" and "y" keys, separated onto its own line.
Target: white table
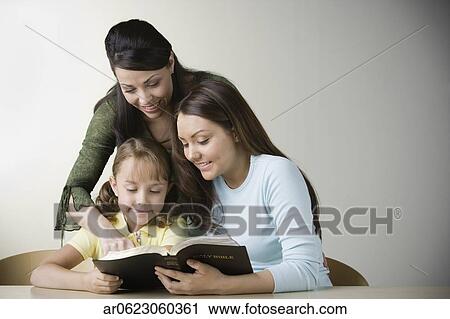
{"x": 26, "y": 292}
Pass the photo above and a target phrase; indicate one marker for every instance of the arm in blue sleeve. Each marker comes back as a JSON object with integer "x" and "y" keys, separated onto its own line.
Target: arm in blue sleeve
{"x": 289, "y": 203}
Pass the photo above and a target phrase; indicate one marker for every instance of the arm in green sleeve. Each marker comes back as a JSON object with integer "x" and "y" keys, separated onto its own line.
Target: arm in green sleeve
{"x": 98, "y": 145}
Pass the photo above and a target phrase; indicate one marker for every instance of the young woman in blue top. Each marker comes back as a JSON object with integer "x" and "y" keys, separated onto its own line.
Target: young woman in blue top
{"x": 225, "y": 158}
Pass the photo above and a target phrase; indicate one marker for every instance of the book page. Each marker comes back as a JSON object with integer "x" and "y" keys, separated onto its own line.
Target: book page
{"x": 119, "y": 254}
{"x": 207, "y": 240}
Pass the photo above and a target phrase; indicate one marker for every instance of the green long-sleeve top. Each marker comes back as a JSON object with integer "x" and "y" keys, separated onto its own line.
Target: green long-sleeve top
{"x": 98, "y": 145}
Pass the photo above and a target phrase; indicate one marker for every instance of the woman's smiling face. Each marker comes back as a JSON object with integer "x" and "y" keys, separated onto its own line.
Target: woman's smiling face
{"x": 149, "y": 91}
{"x": 207, "y": 145}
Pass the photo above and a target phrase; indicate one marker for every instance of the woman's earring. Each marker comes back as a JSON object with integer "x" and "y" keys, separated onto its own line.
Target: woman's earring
{"x": 236, "y": 138}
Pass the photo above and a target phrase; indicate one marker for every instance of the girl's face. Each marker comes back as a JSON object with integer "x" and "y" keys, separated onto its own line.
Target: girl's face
{"x": 207, "y": 145}
{"x": 140, "y": 195}
{"x": 148, "y": 91}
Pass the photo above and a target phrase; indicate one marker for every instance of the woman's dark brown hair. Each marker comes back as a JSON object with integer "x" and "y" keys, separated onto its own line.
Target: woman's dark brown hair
{"x": 224, "y": 105}
{"x": 137, "y": 45}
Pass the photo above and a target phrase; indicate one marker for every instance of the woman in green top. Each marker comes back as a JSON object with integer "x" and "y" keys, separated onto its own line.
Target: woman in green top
{"x": 150, "y": 81}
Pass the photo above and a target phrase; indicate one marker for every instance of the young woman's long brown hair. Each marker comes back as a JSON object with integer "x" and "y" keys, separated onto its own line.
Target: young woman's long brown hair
{"x": 224, "y": 105}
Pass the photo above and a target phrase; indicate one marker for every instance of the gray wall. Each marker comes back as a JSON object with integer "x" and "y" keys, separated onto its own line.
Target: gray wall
{"x": 362, "y": 88}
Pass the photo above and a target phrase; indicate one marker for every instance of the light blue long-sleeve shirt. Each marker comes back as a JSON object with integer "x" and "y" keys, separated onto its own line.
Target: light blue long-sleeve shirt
{"x": 270, "y": 214}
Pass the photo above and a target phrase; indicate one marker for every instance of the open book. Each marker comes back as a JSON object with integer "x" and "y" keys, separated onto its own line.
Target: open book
{"x": 135, "y": 266}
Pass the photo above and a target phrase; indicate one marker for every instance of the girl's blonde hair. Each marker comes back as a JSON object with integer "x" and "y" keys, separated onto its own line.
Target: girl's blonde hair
{"x": 152, "y": 153}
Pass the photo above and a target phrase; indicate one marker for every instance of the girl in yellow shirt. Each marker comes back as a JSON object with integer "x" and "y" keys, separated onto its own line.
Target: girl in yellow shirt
{"x": 137, "y": 189}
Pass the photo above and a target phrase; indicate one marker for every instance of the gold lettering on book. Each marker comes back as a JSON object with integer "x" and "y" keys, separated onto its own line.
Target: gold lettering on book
{"x": 172, "y": 262}
{"x": 211, "y": 256}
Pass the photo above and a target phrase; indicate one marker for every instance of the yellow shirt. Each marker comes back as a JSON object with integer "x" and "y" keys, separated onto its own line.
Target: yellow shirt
{"x": 89, "y": 245}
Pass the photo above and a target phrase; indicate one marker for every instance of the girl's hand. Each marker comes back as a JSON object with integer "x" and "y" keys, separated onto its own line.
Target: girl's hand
{"x": 205, "y": 280}
{"x": 119, "y": 242}
{"x": 101, "y": 283}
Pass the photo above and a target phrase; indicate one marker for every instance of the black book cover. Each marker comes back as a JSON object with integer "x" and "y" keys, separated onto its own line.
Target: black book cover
{"x": 137, "y": 272}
